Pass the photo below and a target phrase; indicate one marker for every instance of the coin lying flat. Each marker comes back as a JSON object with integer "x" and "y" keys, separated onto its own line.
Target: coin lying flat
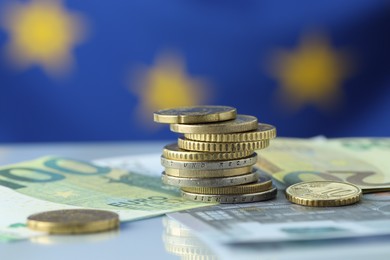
{"x": 264, "y": 183}
{"x": 73, "y": 221}
{"x": 210, "y": 182}
{"x": 221, "y": 147}
{"x": 209, "y": 165}
{"x": 242, "y": 123}
{"x": 208, "y": 173}
{"x": 242, "y": 198}
{"x": 323, "y": 193}
{"x": 195, "y": 114}
{"x": 264, "y": 131}
{"x": 173, "y": 152}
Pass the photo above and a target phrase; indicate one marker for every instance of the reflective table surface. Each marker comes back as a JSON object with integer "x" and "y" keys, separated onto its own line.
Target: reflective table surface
{"x": 141, "y": 238}
{"x": 153, "y": 238}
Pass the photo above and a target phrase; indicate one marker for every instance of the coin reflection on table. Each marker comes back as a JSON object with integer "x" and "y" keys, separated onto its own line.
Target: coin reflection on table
{"x": 84, "y": 238}
{"x": 181, "y": 241}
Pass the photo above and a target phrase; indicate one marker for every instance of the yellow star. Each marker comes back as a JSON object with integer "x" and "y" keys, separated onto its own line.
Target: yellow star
{"x": 64, "y": 194}
{"x": 42, "y": 32}
{"x": 312, "y": 73}
{"x": 167, "y": 85}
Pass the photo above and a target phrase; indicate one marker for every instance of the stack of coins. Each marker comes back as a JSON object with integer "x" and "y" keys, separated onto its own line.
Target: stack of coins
{"x": 213, "y": 161}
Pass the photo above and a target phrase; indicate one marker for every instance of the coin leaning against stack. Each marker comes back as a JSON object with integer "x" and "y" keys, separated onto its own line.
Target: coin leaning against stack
{"x": 213, "y": 161}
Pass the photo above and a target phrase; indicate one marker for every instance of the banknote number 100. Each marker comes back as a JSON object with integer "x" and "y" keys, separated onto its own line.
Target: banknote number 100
{"x": 51, "y": 176}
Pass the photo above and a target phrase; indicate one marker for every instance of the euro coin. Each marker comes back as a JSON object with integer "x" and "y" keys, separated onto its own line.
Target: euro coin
{"x": 221, "y": 147}
{"x": 173, "y": 152}
{"x": 264, "y": 183}
{"x": 73, "y": 221}
{"x": 209, "y": 165}
{"x": 195, "y": 114}
{"x": 209, "y": 182}
{"x": 208, "y": 173}
{"x": 242, "y": 123}
{"x": 241, "y": 198}
{"x": 323, "y": 193}
{"x": 264, "y": 131}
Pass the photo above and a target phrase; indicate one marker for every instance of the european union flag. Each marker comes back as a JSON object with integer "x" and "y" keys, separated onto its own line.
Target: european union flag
{"x": 89, "y": 71}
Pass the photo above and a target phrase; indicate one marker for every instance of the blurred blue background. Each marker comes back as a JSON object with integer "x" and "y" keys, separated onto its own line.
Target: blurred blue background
{"x": 89, "y": 71}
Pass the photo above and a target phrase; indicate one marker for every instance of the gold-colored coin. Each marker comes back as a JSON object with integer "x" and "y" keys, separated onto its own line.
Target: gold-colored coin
{"x": 221, "y": 147}
{"x": 208, "y": 173}
{"x": 264, "y": 131}
{"x": 323, "y": 193}
{"x": 195, "y": 114}
{"x": 264, "y": 183}
{"x": 73, "y": 221}
{"x": 239, "y": 198}
{"x": 242, "y": 123}
{"x": 173, "y": 152}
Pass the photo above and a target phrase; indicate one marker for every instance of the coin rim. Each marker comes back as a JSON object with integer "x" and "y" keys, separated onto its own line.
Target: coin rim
{"x": 194, "y": 156}
{"x": 216, "y": 147}
{"x": 262, "y": 185}
{"x": 271, "y": 192}
{"x": 216, "y": 128}
{"x": 219, "y": 173}
{"x": 250, "y": 136}
{"x": 209, "y": 182}
{"x": 209, "y": 165}
{"x": 196, "y": 119}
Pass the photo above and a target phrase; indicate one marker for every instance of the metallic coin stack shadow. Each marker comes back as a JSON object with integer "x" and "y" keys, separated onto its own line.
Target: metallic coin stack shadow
{"x": 213, "y": 161}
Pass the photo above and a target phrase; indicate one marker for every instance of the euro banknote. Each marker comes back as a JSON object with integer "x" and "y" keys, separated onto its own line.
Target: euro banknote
{"x": 364, "y": 162}
{"x": 51, "y": 183}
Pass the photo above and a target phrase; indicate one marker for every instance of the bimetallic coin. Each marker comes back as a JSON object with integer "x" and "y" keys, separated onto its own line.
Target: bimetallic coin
{"x": 264, "y": 183}
{"x": 221, "y": 147}
{"x": 173, "y": 152}
{"x": 73, "y": 221}
{"x": 209, "y": 182}
{"x": 323, "y": 193}
{"x": 208, "y": 173}
{"x": 195, "y": 114}
{"x": 264, "y": 131}
{"x": 242, "y": 123}
{"x": 242, "y": 198}
{"x": 209, "y": 165}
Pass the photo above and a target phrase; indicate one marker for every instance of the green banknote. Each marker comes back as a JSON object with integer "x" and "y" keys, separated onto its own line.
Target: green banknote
{"x": 364, "y": 162}
{"x": 51, "y": 183}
